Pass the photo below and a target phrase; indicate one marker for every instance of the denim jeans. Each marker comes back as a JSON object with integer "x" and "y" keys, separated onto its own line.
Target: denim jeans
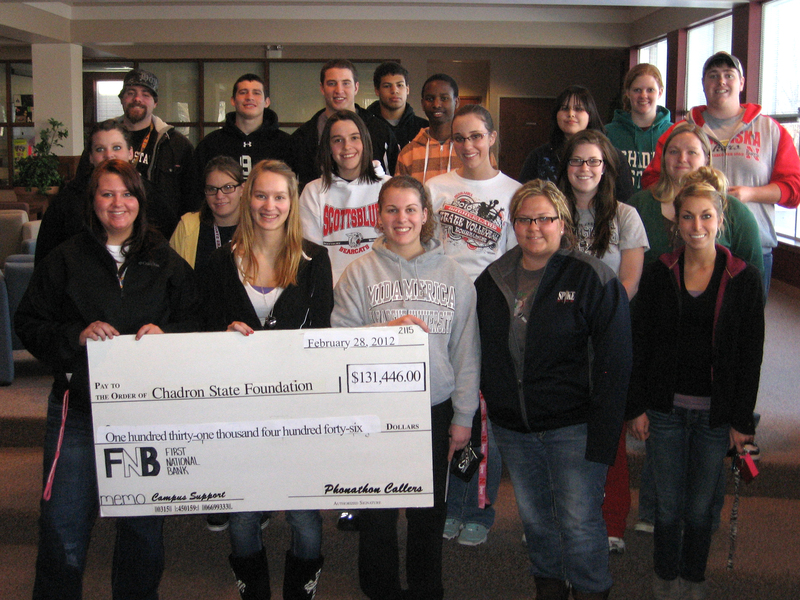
{"x": 378, "y": 552}
{"x": 687, "y": 458}
{"x": 245, "y": 533}
{"x": 767, "y": 277}
{"x": 559, "y": 496}
{"x": 462, "y": 496}
{"x": 66, "y": 521}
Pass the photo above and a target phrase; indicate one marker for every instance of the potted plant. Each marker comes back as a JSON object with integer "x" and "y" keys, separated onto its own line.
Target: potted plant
{"x": 39, "y": 171}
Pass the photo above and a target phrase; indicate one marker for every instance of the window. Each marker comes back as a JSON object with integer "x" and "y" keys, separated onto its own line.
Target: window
{"x": 702, "y": 42}
{"x": 194, "y": 95}
{"x": 218, "y": 79}
{"x": 780, "y": 84}
{"x": 294, "y": 89}
{"x": 656, "y": 54}
{"x": 107, "y": 99}
{"x": 17, "y": 130}
{"x": 780, "y": 58}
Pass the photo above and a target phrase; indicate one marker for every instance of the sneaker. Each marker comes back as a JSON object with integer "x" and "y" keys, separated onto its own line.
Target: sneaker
{"x": 347, "y": 522}
{"x": 217, "y": 521}
{"x": 644, "y": 526}
{"x": 473, "y": 534}
{"x": 616, "y": 545}
{"x": 693, "y": 590}
{"x": 452, "y": 527}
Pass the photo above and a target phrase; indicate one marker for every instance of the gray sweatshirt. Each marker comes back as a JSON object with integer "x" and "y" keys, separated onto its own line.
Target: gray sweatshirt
{"x": 381, "y": 286}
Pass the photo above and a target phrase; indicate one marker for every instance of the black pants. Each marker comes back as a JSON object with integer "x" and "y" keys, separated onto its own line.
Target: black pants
{"x": 378, "y": 555}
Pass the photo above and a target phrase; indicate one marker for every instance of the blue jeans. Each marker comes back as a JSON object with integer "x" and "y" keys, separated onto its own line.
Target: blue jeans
{"x": 245, "y": 533}
{"x": 687, "y": 458}
{"x": 559, "y": 497}
{"x": 767, "y": 274}
{"x": 462, "y": 497}
{"x": 66, "y": 521}
{"x": 378, "y": 550}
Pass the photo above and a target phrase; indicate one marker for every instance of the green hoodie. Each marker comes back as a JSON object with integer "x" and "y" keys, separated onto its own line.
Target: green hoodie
{"x": 637, "y": 144}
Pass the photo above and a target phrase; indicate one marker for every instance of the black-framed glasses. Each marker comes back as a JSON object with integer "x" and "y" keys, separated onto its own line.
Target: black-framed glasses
{"x": 473, "y": 137}
{"x": 538, "y": 221}
{"x": 226, "y": 189}
{"x": 579, "y": 162}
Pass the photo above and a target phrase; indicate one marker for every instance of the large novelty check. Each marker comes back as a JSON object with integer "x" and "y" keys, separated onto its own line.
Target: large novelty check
{"x": 220, "y": 422}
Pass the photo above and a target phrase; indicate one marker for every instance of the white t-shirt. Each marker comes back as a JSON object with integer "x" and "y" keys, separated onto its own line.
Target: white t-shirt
{"x": 472, "y": 218}
{"x": 627, "y": 231}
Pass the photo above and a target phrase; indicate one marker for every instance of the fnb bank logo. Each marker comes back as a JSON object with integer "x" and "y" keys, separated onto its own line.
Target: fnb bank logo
{"x": 142, "y": 463}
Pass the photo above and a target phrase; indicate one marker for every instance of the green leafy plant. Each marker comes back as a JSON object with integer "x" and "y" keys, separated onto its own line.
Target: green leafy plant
{"x": 40, "y": 170}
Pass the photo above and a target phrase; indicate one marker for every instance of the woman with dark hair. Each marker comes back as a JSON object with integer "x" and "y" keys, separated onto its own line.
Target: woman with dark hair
{"x": 698, "y": 326}
{"x": 613, "y": 232}
{"x": 269, "y": 277}
{"x": 574, "y": 111}
{"x": 339, "y": 210}
{"x": 544, "y": 308}
{"x": 605, "y": 228}
{"x": 65, "y": 216}
{"x": 636, "y": 128}
{"x": 117, "y": 277}
{"x": 405, "y": 255}
{"x": 200, "y": 233}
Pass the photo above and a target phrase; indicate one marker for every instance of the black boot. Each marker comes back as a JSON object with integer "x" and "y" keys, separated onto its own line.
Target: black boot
{"x": 551, "y": 589}
{"x": 252, "y": 575}
{"x": 300, "y": 577}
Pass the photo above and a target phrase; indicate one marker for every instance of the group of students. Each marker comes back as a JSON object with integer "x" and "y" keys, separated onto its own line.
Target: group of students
{"x": 539, "y": 327}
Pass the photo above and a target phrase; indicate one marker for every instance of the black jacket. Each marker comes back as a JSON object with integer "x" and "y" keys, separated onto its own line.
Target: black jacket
{"x": 577, "y": 357}
{"x": 408, "y": 127}
{"x": 305, "y": 305}
{"x": 305, "y": 145}
{"x": 738, "y": 341}
{"x": 77, "y": 284}
{"x": 268, "y": 141}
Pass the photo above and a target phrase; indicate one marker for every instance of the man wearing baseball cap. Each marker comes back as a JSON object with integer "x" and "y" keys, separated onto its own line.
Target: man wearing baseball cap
{"x": 754, "y": 151}
{"x": 160, "y": 153}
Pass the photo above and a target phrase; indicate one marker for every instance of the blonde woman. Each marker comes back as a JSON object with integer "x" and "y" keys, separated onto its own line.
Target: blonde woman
{"x": 269, "y": 277}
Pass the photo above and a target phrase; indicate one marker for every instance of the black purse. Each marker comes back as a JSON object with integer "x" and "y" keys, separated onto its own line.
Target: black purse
{"x": 465, "y": 462}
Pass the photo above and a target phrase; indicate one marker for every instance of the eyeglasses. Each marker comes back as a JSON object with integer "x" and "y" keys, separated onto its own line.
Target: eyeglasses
{"x": 226, "y": 189}
{"x": 538, "y": 221}
{"x": 579, "y": 162}
{"x": 474, "y": 138}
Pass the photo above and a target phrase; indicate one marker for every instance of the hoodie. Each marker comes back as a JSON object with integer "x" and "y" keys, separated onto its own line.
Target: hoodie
{"x": 406, "y": 129}
{"x": 382, "y": 286}
{"x": 265, "y": 142}
{"x": 761, "y": 152}
{"x": 343, "y": 218}
{"x": 425, "y": 157}
{"x": 637, "y": 144}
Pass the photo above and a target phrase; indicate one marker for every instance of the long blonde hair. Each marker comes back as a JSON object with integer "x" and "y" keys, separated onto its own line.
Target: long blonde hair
{"x": 287, "y": 262}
